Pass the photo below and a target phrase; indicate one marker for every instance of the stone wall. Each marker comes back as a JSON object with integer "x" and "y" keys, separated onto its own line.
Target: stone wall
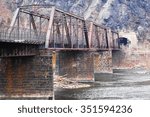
{"x": 76, "y": 65}
{"x": 26, "y": 77}
{"x": 103, "y": 62}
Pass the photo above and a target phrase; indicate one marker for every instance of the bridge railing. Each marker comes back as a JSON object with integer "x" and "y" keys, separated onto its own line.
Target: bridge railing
{"x": 21, "y": 35}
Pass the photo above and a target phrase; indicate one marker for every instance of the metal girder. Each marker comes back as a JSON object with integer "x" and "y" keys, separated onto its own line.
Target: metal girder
{"x": 90, "y": 34}
{"x": 106, "y": 37}
{"x": 86, "y": 34}
{"x": 33, "y": 24}
{"x": 15, "y": 49}
{"x": 15, "y": 17}
{"x": 97, "y": 36}
{"x": 110, "y": 38}
{"x": 49, "y": 27}
{"x": 35, "y": 14}
{"x": 67, "y": 31}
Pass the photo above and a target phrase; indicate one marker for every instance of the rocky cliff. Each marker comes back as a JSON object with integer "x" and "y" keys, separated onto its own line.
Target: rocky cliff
{"x": 118, "y": 14}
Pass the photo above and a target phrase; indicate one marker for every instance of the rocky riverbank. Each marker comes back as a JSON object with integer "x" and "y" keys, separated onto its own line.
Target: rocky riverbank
{"x": 66, "y": 83}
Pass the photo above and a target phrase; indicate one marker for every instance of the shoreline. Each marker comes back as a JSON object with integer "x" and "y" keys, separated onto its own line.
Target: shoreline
{"x": 66, "y": 83}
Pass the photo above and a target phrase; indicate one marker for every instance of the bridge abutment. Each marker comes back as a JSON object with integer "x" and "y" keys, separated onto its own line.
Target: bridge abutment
{"x": 76, "y": 65}
{"x": 26, "y": 77}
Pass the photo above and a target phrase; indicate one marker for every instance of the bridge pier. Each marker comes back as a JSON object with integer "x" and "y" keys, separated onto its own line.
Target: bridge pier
{"x": 82, "y": 66}
{"x": 76, "y": 65}
{"x": 118, "y": 58}
{"x": 26, "y": 77}
{"x": 103, "y": 62}
{"x": 103, "y": 65}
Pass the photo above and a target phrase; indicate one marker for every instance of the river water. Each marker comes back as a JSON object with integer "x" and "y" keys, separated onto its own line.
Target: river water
{"x": 122, "y": 84}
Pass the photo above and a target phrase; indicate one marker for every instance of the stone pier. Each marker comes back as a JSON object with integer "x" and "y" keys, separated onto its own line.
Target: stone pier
{"x": 103, "y": 65}
{"x": 82, "y": 66}
{"x": 118, "y": 58}
{"x": 27, "y": 77}
{"x": 76, "y": 65}
{"x": 103, "y": 62}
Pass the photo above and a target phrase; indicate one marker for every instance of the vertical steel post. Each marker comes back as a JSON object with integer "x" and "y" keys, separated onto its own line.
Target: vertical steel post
{"x": 86, "y": 34}
{"x": 67, "y": 31}
{"x": 18, "y": 21}
{"x": 40, "y": 28}
{"x": 106, "y": 37}
{"x": 77, "y": 29}
{"x": 71, "y": 32}
{"x": 90, "y": 34}
{"x": 29, "y": 26}
{"x": 118, "y": 44}
{"x": 97, "y": 36}
{"x": 63, "y": 39}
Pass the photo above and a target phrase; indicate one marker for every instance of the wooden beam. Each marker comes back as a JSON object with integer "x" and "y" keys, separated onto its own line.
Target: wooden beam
{"x": 50, "y": 27}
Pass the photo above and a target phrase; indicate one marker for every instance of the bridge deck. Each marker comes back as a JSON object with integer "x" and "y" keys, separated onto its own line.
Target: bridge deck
{"x": 20, "y": 35}
{"x": 84, "y": 49}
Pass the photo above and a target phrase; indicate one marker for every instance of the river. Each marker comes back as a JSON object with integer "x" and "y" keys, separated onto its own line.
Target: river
{"x": 122, "y": 84}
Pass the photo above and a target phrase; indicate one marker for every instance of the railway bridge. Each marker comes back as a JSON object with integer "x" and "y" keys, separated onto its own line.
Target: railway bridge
{"x": 44, "y": 39}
